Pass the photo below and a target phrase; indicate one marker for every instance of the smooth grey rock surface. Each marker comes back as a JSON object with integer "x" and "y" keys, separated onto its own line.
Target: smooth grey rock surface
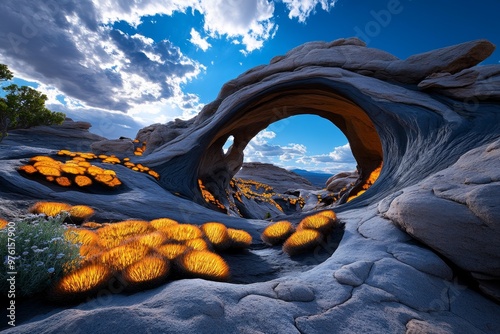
{"x": 435, "y": 195}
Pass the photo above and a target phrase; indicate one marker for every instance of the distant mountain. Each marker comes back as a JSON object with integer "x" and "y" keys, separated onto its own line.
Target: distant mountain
{"x": 317, "y": 179}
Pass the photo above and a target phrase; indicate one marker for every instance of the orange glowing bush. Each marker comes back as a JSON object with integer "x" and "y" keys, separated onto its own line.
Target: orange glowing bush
{"x": 162, "y": 223}
{"x": 277, "y": 233}
{"x": 111, "y": 160}
{"x": 103, "y": 156}
{"x": 329, "y": 214}
{"x": 64, "y": 152}
{"x": 129, "y": 164}
{"x": 203, "y": 264}
{"x": 302, "y": 241}
{"x": 182, "y": 232}
{"x": 109, "y": 172}
{"x": 171, "y": 251}
{"x": 84, "y": 164}
{"x": 63, "y": 181}
{"x": 39, "y": 158}
{"x": 48, "y": 170}
{"x": 3, "y": 223}
{"x": 148, "y": 272}
{"x": 152, "y": 239}
{"x": 94, "y": 170}
{"x": 81, "y": 236}
{"x": 317, "y": 222}
{"x": 78, "y": 159}
{"x": 49, "y": 208}
{"x": 83, "y": 181}
{"x": 50, "y": 178}
{"x": 28, "y": 169}
{"x": 154, "y": 174}
{"x": 88, "y": 156}
{"x": 103, "y": 177}
{"x": 81, "y": 283}
{"x": 75, "y": 170}
{"x": 91, "y": 252}
{"x": 112, "y": 235}
{"x": 124, "y": 255}
{"x": 217, "y": 235}
{"x": 197, "y": 244}
{"x": 80, "y": 213}
{"x": 239, "y": 239}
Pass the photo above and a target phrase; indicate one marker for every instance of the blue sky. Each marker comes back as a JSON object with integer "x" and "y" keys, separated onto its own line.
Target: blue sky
{"x": 124, "y": 65}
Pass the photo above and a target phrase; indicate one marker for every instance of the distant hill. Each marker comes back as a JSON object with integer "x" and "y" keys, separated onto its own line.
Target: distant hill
{"x": 317, "y": 179}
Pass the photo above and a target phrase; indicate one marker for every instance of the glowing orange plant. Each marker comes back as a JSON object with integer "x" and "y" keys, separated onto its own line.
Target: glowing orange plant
{"x": 317, "y": 222}
{"x": 149, "y": 271}
{"x": 3, "y": 223}
{"x": 302, "y": 241}
{"x": 48, "y": 170}
{"x": 277, "y": 233}
{"x": 29, "y": 169}
{"x": 171, "y": 251}
{"x": 124, "y": 255}
{"x": 80, "y": 213}
{"x": 49, "y": 208}
{"x": 81, "y": 236}
{"x": 217, "y": 235}
{"x": 182, "y": 232}
{"x": 152, "y": 239}
{"x": 113, "y": 234}
{"x": 63, "y": 181}
{"x": 239, "y": 239}
{"x": 197, "y": 244}
{"x": 163, "y": 222}
{"x": 204, "y": 264}
{"x": 83, "y": 181}
{"x": 82, "y": 282}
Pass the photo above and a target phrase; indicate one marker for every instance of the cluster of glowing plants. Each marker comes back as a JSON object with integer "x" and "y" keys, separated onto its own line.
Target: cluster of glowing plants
{"x": 78, "y": 214}
{"x": 145, "y": 254}
{"x": 209, "y": 197}
{"x": 260, "y": 191}
{"x": 75, "y": 172}
{"x": 139, "y": 150}
{"x": 308, "y": 235}
{"x": 78, "y": 171}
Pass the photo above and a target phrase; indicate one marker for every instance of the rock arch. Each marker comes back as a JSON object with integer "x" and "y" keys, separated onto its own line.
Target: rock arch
{"x": 402, "y": 112}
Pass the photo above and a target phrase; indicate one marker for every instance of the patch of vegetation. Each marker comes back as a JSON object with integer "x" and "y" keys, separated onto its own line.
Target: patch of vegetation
{"x": 41, "y": 254}
{"x": 23, "y": 107}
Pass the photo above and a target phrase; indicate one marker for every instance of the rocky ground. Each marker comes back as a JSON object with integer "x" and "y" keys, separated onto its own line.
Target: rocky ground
{"x": 416, "y": 253}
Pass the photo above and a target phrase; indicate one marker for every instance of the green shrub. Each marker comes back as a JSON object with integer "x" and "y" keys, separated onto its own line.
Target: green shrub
{"x": 42, "y": 255}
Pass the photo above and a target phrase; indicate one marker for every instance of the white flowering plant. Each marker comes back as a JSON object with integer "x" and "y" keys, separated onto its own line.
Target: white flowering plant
{"x": 40, "y": 254}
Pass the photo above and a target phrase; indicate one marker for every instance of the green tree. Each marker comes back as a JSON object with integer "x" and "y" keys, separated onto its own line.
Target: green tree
{"x": 23, "y": 107}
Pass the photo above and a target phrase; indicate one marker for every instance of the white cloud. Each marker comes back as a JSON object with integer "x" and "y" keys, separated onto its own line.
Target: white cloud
{"x": 249, "y": 22}
{"x": 198, "y": 41}
{"x": 293, "y": 155}
{"x": 301, "y": 9}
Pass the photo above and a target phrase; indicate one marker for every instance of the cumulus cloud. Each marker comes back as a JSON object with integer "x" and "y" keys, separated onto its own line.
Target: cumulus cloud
{"x": 66, "y": 46}
{"x": 301, "y": 9}
{"x": 197, "y": 40}
{"x": 248, "y": 22}
{"x": 76, "y": 53}
{"x": 261, "y": 149}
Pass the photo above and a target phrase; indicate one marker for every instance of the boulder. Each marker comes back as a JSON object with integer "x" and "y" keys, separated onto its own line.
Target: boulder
{"x": 121, "y": 147}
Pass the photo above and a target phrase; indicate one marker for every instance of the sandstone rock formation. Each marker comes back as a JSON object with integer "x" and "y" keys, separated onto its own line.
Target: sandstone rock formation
{"x": 419, "y": 250}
